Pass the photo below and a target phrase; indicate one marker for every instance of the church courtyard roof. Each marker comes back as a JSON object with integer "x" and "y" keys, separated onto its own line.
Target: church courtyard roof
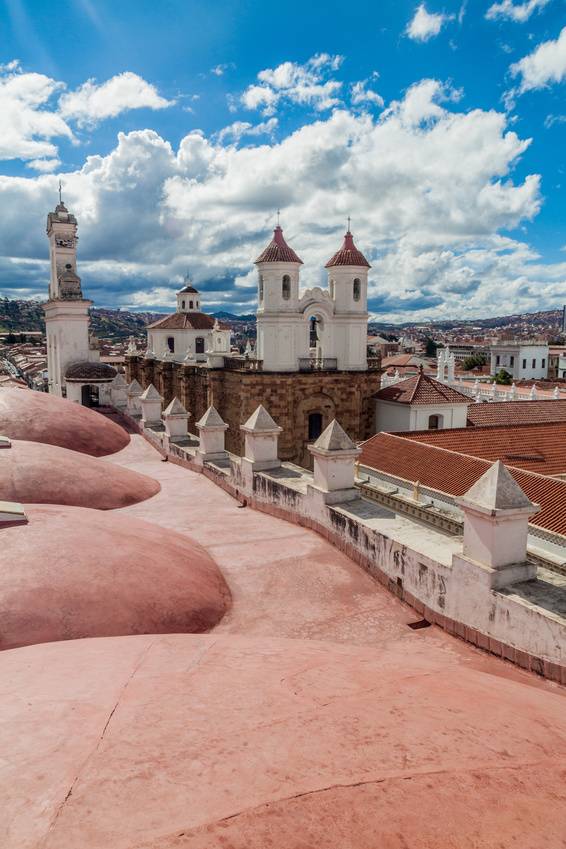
{"x": 91, "y": 371}
{"x": 186, "y": 321}
{"x": 421, "y": 389}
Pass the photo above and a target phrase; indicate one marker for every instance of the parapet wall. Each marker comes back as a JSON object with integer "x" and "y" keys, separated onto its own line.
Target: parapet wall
{"x": 517, "y": 623}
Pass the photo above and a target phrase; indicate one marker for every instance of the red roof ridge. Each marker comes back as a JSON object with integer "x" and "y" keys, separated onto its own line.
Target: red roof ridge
{"x": 278, "y": 250}
{"x": 348, "y": 254}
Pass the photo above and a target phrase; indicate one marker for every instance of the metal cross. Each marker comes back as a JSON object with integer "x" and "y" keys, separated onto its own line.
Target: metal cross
{"x": 60, "y": 187}
{"x": 278, "y": 216}
{"x": 348, "y": 224}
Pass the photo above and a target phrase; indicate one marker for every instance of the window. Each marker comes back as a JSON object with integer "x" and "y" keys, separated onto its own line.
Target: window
{"x": 190, "y": 305}
{"x": 315, "y": 425}
{"x": 543, "y": 364}
{"x": 511, "y": 360}
{"x": 286, "y": 287}
{"x": 534, "y": 363}
{"x": 524, "y": 364}
{"x": 199, "y": 345}
{"x": 171, "y": 344}
{"x": 433, "y": 422}
{"x": 497, "y": 360}
{"x": 182, "y": 305}
{"x": 357, "y": 289}
{"x": 261, "y": 288}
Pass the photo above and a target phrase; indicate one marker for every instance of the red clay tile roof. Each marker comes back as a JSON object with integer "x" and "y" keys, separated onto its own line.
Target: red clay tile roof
{"x": 540, "y": 448}
{"x": 517, "y": 412}
{"x": 421, "y": 389}
{"x": 453, "y": 473}
{"x": 348, "y": 254}
{"x": 186, "y": 321}
{"x": 278, "y": 250}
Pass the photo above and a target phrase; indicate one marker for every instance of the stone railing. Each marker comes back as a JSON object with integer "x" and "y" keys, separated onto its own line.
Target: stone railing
{"x": 318, "y": 364}
{"x": 242, "y": 364}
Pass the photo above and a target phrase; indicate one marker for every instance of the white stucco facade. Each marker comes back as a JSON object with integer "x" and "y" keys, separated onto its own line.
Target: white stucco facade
{"x": 522, "y": 361}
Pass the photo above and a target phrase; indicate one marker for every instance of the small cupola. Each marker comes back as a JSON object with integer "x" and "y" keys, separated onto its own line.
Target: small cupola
{"x": 188, "y": 298}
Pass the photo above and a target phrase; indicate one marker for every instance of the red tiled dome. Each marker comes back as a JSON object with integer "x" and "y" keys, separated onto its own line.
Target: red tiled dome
{"x": 31, "y": 472}
{"x": 348, "y": 254}
{"x": 39, "y": 417}
{"x": 278, "y": 250}
{"x": 76, "y": 572}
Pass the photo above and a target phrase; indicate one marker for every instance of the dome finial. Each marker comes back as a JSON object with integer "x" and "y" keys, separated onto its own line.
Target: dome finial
{"x": 279, "y": 218}
{"x": 348, "y": 230}
{"x": 60, "y": 190}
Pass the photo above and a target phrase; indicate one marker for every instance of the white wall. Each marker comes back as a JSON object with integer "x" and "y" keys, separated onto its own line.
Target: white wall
{"x": 392, "y": 417}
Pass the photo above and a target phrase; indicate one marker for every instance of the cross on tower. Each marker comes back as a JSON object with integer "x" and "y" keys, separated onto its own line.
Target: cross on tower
{"x": 60, "y": 188}
{"x": 278, "y": 216}
{"x": 348, "y": 224}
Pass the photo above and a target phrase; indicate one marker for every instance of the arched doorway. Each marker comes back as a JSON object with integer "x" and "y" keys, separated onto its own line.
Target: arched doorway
{"x": 315, "y": 426}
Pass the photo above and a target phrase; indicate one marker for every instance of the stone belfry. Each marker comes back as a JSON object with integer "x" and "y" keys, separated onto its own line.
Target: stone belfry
{"x": 66, "y": 311}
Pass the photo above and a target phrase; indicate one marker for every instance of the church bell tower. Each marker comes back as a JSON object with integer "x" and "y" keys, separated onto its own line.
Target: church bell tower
{"x": 66, "y": 311}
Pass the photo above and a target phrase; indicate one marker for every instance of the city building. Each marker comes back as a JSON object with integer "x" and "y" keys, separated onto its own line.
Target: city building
{"x": 557, "y": 362}
{"x": 419, "y": 403}
{"x": 522, "y": 360}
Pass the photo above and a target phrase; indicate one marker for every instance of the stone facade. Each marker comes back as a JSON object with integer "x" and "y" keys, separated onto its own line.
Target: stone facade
{"x": 289, "y": 397}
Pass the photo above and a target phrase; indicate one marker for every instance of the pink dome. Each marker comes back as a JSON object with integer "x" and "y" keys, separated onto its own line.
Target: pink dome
{"x": 32, "y": 472}
{"x": 39, "y": 417}
{"x": 76, "y": 572}
{"x": 210, "y": 742}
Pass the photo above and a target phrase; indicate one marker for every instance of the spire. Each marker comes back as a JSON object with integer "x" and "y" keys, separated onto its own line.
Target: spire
{"x": 348, "y": 253}
{"x": 334, "y": 438}
{"x": 278, "y": 250}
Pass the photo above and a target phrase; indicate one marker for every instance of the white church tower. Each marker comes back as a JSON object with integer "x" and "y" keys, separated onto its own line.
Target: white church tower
{"x": 317, "y": 329}
{"x": 66, "y": 311}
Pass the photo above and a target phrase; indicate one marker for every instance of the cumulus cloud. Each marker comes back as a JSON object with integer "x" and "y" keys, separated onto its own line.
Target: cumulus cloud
{"x": 28, "y": 121}
{"x": 425, "y": 25}
{"x": 307, "y": 85}
{"x": 545, "y": 65}
{"x": 91, "y": 102}
{"x": 429, "y": 188}
{"x": 511, "y": 11}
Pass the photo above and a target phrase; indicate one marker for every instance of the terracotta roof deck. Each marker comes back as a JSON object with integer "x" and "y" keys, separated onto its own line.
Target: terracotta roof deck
{"x": 517, "y": 412}
{"x": 453, "y": 473}
{"x": 186, "y": 321}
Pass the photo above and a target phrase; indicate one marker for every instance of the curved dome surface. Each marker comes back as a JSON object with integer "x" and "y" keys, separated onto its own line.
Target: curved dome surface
{"x": 39, "y": 417}
{"x": 76, "y": 573}
{"x": 202, "y": 742}
{"x": 35, "y": 473}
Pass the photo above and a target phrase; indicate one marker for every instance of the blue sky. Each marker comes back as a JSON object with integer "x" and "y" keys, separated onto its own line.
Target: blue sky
{"x": 178, "y": 128}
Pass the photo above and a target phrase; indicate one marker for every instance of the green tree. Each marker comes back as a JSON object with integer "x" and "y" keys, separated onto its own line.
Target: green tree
{"x": 474, "y": 361}
{"x": 431, "y": 347}
{"x": 503, "y": 378}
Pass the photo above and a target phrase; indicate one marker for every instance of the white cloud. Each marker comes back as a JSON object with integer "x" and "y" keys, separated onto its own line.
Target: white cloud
{"x": 551, "y": 120}
{"x": 425, "y": 25}
{"x": 220, "y": 70}
{"x": 360, "y": 93}
{"x": 92, "y": 102}
{"x": 429, "y": 188}
{"x": 519, "y": 12}
{"x": 307, "y": 85}
{"x": 44, "y": 165}
{"x": 239, "y": 129}
{"x": 545, "y": 65}
{"x": 28, "y": 122}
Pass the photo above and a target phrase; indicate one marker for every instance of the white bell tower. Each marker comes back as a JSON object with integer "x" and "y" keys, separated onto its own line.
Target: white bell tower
{"x": 348, "y": 288}
{"x": 66, "y": 311}
{"x": 278, "y": 305}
